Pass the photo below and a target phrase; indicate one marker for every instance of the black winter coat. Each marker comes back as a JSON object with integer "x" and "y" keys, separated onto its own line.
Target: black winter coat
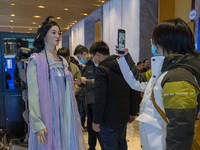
{"x": 114, "y": 99}
{"x": 89, "y": 73}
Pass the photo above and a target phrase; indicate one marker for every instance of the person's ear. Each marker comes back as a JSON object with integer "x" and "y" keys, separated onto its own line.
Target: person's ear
{"x": 97, "y": 54}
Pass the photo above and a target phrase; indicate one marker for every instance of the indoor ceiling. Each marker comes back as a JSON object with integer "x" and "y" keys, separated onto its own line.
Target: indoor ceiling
{"x": 18, "y": 15}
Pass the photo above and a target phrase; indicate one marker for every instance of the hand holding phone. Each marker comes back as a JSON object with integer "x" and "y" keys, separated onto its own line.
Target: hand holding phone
{"x": 121, "y": 40}
{"x": 77, "y": 82}
{"x": 125, "y": 50}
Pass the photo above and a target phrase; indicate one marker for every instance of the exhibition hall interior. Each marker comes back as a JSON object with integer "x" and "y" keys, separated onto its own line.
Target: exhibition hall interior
{"x": 78, "y": 25}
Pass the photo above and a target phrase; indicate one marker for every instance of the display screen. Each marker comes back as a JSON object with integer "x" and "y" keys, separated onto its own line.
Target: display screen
{"x": 121, "y": 40}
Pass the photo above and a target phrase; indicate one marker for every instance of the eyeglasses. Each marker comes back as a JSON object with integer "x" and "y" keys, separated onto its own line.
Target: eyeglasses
{"x": 79, "y": 57}
{"x": 151, "y": 42}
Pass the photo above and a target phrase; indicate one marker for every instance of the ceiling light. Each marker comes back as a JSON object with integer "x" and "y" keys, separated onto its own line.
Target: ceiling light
{"x": 30, "y": 29}
{"x": 11, "y": 21}
{"x": 75, "y": 21}
{"x": 11, "y": 27}
{"x": 41, "y": 7}
{"x": 33, "y": 22}
{"x": 37, "y": 16}
{"x": 12, "y": 15}
{"x": 98, "y": 5}
{"x": 12, "y": 4}
{"x": 11, "y": 31}
{"x": 85, "y": 14}
{"x": 103, "y": 1}
{"x": 58, "y": 18}
{"x": 70, "y": 25}
{"x": 28, "y": 32}
{"x": 66, "y": 9}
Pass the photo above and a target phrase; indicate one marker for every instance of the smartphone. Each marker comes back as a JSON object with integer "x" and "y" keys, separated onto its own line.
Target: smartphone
{"x": 121, "y": 40}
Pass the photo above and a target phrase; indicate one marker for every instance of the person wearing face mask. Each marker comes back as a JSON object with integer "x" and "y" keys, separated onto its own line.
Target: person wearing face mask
{"x": 88, "y": 80}
{"x": 171, "y": 88}
{"x": 115, "y": 103}
{"x": 65, "y": 53}
{"x": 54, "y": 118}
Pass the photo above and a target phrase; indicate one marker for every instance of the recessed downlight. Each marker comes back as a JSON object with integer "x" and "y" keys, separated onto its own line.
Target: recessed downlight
{"x": 41, "y": 6}
{"x": 36, "y": 16}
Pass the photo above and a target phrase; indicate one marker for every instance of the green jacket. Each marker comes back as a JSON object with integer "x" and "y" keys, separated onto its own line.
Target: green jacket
{"x": 76, "y": 75}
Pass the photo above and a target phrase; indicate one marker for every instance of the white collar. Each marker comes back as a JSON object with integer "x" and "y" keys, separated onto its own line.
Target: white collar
{"x": 156, "y": 66}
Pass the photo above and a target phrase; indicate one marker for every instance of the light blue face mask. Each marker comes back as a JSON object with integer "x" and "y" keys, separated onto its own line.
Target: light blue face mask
{"x": 83, "y": 61}
{"x": 153, "y": 50}
{"x": 95, "y": 63}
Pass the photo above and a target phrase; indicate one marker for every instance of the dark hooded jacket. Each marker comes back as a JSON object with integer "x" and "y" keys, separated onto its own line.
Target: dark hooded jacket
{"x": 89, "y": 73}
{"x": 114, "y": 99}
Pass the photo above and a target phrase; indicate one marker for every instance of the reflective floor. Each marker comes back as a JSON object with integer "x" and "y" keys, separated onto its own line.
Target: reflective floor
{"x": 133, "y": 137}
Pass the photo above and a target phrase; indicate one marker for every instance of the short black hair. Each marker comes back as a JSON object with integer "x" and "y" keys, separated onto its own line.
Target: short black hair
{"x": 80, "y": 49}
{"x": 100, "y": 47}
{"x": 145, "y": 60}
{"x": 139, "y": 63}
{"x": 174, "y": 36}
{"x": 73, "y": 60}
{"x": 64, "y": 51}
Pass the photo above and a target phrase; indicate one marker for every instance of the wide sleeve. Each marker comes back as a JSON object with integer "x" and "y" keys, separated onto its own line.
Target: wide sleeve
{"x": 133, "y": 77}
{"x": 100, "y": 94}
{"x": 34, "y": 102}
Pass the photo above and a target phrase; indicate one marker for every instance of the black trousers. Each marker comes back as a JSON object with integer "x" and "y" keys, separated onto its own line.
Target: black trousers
{"x": 92, "y": 135}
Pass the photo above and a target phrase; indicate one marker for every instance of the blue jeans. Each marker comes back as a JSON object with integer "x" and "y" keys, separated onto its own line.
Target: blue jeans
{"x": 114, "y": 137}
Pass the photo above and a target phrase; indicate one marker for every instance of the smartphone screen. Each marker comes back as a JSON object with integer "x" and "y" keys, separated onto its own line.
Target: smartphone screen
{"x": 121, "y": 40}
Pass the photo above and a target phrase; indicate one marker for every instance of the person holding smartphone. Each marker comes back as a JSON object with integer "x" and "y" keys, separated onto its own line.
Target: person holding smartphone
{"x": 169, "y": 105}
{"x": 88, "y": 79}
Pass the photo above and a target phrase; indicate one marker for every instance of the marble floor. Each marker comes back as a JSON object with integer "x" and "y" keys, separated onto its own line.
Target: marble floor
{"x": 133, "y": 137}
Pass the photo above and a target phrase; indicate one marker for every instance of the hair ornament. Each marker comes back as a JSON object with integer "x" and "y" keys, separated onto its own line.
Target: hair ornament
{"x": 39, "y": 26}
{"x": 52, "y": 19}
{"x": 38, "y": 36}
